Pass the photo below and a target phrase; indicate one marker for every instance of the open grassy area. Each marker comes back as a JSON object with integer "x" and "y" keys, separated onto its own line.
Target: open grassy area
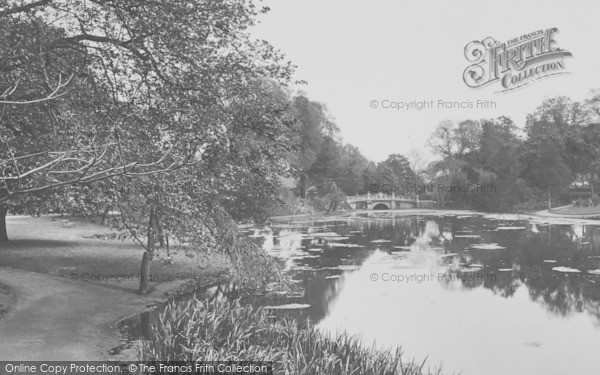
{"x": 8, "y": 299}
{"x": 88, "y": 252}
{"x": 64, "y": 288}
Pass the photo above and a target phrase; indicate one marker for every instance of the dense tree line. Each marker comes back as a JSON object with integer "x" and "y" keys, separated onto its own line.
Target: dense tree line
{"x": 554, "y": 159}
{"x": 558, "y": 150}
{"x": 327, "y": 170}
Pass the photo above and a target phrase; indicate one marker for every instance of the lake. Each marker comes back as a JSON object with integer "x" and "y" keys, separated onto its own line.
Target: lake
{"x": 493, "y": 294}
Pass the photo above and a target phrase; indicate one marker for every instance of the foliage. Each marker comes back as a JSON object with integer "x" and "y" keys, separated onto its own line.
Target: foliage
{"x": 170, "y": 112}
{"x": 559, "y": 146}
{"x": 322, "y": 159}
{"x": 149, "y": 87}
{"x": 220, "y": 331}
{"x": 395, "y": 171}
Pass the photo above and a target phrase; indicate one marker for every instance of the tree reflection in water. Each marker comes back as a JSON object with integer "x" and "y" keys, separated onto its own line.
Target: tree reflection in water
{"x": 523, "y": 255}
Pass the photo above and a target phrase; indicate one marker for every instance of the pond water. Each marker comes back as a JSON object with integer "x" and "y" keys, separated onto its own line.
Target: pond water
{"x": 493, "y": 294}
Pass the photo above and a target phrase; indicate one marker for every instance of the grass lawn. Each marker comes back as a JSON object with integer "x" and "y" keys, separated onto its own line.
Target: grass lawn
{"x": 7, "y": 299}
{"x": 82, "y": 253}
{"x": 64, "y": 288}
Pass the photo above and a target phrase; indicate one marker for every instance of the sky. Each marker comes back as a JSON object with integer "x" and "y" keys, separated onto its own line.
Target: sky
{"x": 356, "y": 53}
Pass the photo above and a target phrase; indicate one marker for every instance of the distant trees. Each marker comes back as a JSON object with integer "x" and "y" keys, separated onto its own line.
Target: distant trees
{"x": 455, "y": 144}
{"x": 353, "y": 171}
{"x": 498, "y": 163}
{"x": 321, "y": 160}
{"x": 559, "y": 145}
{"x": 545, "y": 169}
{"x": 583, "y": 153}
{"x": 314, "y": 127}
{"x": 395, "y": 172}
{"x": 544, "y": 152}
{"x": 326, "y": 167}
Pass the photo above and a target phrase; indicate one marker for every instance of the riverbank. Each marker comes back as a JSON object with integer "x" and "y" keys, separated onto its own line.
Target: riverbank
{"x": 67, "y": 287}
{"x": 554, "y": 217}
{"x": 221, "y": 329}
{"x": 570, "y": 211}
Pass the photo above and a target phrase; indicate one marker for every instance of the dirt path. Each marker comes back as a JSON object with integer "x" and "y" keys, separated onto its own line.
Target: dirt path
{"x": 60, "y": 319}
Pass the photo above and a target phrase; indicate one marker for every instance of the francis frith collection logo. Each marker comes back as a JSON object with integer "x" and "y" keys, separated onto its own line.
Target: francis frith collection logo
{"x": 514, "y": 63}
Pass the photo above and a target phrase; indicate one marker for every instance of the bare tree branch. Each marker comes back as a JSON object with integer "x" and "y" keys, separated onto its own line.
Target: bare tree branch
{"x": 24, "y": 7}
{"x": 53, "y": 95}
{"x": 92, "y": 171}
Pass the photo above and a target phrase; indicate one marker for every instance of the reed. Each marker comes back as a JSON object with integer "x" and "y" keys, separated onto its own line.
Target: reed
{"x": 222, "y": 330}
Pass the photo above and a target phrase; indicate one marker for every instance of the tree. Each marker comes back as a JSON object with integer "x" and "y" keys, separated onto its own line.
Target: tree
{"x": 153, "y": 111}
{"x": 442, "y": 141}
{"x": 400, "y": 169}
{"x": 583, "y": 153}
{"x": 326, "y": 168}
{"x": 259, "y": 147}
{"x": 497, "y": 162}
{"x": 418, "y": 163}
{"x": 159, "y": 74}
{"x": 445, "y": 172}
{"x": 314, "y": 126}
{"x": 467, "y": 136}
{"x": 351, "y": 179}
{"x": 547, "y": 153}
{"x": 546, "y": 169}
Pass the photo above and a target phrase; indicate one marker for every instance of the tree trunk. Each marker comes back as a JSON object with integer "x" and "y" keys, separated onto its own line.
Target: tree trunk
{"x": 148, "y": 255}
{"x": 591, "y": 182}
{"x": 159, "y": 232}
{"x": 303, "y": 181}
{"x": 549, "y": 201}
{"x": 104, "y": 216}
{"x": 3, "y": 231}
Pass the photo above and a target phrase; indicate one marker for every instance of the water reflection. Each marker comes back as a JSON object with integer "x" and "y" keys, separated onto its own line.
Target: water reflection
{"x": 529, "y": 291}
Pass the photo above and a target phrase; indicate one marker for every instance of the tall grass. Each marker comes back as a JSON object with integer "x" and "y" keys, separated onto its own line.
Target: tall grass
{"x": 220, "y": 330}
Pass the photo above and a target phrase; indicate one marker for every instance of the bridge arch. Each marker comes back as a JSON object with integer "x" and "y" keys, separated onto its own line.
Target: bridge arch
{"x": 381, "y": 206}
{"x": 382, "y": 202}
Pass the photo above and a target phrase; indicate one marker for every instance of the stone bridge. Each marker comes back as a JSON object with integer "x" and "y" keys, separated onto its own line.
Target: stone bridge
{"x": 383, "y": 201}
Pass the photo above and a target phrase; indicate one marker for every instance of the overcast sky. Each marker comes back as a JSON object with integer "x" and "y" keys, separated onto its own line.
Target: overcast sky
{"x": 352, "y": 52}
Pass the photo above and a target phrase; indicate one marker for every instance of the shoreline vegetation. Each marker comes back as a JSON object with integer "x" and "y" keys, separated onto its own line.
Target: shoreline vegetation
{"x": 227, "y": 330}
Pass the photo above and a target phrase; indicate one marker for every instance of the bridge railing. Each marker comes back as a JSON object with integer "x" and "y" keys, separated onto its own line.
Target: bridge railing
{"x": 382, "y": 196}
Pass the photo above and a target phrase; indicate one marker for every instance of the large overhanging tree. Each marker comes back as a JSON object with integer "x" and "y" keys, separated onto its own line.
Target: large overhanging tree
{"x": 98, "y": 90}
{"x": 183, "y": 207}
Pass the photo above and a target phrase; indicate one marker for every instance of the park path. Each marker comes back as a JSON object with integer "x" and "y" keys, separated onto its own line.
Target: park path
{"x": 56, "y": 318}
{"x": 59, "y": 319}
